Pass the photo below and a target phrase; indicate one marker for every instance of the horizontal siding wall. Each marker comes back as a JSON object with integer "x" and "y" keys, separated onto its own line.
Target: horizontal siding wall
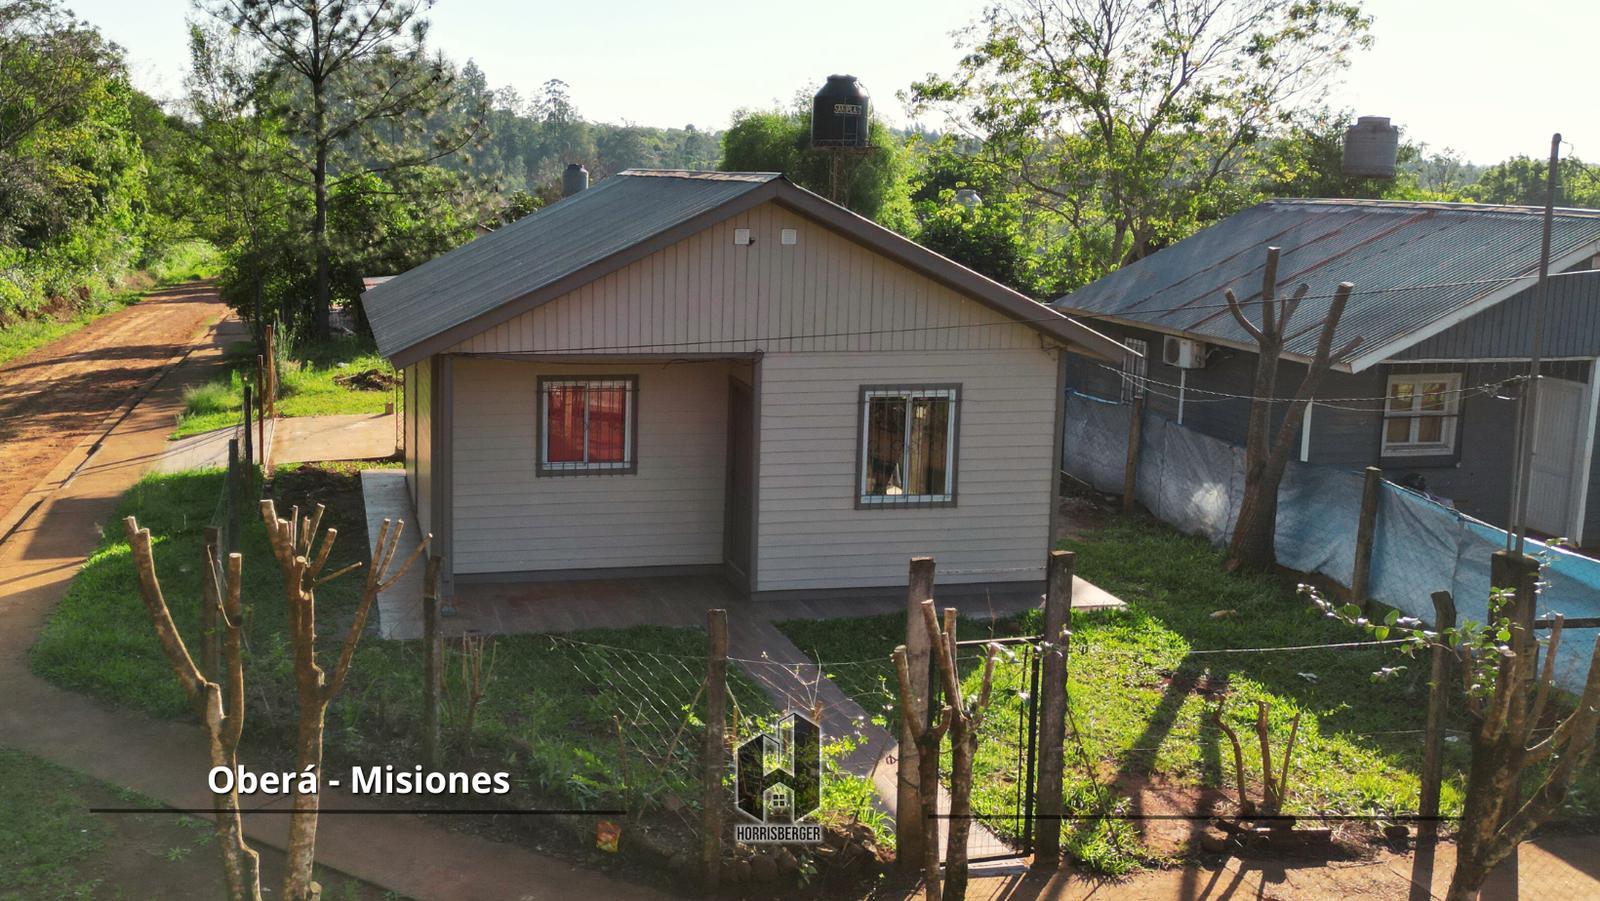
{"x": 811, "y": 536}
{"x": 419, "y": 455}
{"x": 668, "y": 513}
{"x": 706, "y": 294}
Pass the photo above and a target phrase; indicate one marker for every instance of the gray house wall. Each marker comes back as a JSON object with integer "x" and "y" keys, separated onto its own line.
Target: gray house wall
{"x": 1505, "y": 331}
{"x": 1346, "y": 428}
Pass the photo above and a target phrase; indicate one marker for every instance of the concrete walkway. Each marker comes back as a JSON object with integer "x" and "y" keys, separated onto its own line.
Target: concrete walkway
{"x": 358, "y": 436}
{"x": 298, "y": 439}
{"x": 208, "y": 450}
{"x": 166, "y": 760}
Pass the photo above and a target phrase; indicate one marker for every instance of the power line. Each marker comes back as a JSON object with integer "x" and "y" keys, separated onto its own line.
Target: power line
{"x": 1331, "y": 403}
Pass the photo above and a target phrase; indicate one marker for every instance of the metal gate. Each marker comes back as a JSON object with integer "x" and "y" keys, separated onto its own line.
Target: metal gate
{"x": 1003, "y": 824}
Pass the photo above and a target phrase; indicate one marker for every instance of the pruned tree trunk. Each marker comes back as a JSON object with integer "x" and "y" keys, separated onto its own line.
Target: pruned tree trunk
{"x": 927, "y": 738}
{"x": 1267, "y": 454}
{"x": 218, "y": 700}
{"x": 962, "y": 719}
{"x": 292, "y": 542}
{"x": 1497, "y": 813}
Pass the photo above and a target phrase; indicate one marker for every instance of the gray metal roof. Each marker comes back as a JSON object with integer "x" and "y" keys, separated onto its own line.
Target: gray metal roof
{"x": 1408, "y": 262}
{"x": 538, "y": 250}
{"x": 638, "y": 211}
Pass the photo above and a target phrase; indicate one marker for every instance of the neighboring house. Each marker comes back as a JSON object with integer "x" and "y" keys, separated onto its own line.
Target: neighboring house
{"x": 689, "y": 372}
{"x": 1445, "y": 311}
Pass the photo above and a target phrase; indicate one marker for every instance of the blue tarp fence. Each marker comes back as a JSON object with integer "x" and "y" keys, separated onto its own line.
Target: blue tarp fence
{"x": 1195, "y": 483}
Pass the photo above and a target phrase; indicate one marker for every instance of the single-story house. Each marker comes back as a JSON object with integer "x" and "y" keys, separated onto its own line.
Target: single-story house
{"x": 688, "y": 372}
{"x": 1444, "y": 304}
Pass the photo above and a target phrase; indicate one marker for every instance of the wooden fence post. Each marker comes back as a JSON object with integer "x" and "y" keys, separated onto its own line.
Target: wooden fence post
{"x": 249, "y": 443}
{"x": 1130, "y": 471}
{"x": 1444, "y": 618}
{"x": 432, "y": 663}
{"x": 1366, "y": 529}
{"x": 910, "y": 829}
{"x": 1053, "y": 709}
{"x": 231, "y": 489}
{"x": 714, "y": 759}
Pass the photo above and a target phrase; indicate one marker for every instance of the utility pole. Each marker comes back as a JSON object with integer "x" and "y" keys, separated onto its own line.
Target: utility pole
{"x": 1528, "y": 408}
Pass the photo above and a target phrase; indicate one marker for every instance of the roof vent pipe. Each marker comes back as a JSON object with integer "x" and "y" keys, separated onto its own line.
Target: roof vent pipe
{"x": 1371, "y": 147}
{"x": 575, "y": 179}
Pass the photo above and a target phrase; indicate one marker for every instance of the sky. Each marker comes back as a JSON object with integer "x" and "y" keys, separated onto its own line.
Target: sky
{"x": 1484, "y": 78}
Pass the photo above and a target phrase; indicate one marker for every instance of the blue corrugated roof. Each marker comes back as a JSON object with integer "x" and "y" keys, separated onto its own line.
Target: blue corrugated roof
{"x": 1407, "y": 261}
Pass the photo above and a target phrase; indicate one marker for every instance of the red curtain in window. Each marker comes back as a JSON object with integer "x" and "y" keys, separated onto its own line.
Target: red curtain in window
{"x": 564, "y": 423}
{"x": 608, "y": 406}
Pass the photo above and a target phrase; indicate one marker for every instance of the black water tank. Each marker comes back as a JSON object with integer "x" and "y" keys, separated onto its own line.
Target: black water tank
{"x": 574, "y": 179}
{"x": 839, "y": 113}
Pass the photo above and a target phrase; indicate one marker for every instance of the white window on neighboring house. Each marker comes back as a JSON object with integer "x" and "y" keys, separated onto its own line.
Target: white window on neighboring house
{"x": 1419, "y": 417}
{"x": 1134, "y": 369}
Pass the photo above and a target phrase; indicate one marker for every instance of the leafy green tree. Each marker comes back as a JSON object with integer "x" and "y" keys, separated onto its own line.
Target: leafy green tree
{"x": 355, "y": 89}
{"x": 967, "y": 210}
{"x": 1306, "y": 160}
{"x": 1521, "y": 180}
{"x": 873, "y": 184}
{"x": 1136, "y": 121}
{"x": 72, "y": 172}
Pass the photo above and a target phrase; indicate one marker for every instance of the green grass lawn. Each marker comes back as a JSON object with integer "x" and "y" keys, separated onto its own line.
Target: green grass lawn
{"x": 1131, "y": 680}
{"x": 183, "y": 262}
{"x": 307, "y": 385}
{"x": 53, "y": 847}
{"x": 592, "y": 719}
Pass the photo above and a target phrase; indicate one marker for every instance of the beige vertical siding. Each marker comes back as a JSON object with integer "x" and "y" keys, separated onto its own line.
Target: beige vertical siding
{"x": 810, "y": 533}
{"x": 706, "y": 294}
{"x": 669, "y": 513}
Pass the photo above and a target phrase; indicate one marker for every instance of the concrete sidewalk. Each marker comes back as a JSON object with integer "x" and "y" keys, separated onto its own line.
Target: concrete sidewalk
{"x": 167, "y": 760}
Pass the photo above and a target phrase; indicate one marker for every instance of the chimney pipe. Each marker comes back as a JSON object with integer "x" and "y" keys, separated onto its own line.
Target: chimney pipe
{"x": 575, "y": 179}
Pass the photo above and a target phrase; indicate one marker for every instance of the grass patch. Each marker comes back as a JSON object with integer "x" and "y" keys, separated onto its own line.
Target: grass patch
{"x": 1131, "y": 680}
{"x": 307, "y": 385}
{"x": 53, "y": 847}
{"x": 553, "y": 706}
{"x": 182, "y": 262}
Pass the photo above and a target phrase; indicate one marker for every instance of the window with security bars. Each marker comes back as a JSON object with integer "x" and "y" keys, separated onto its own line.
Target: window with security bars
{"x": 1419, "y": 415}
{"x": 586, "y": 425}
{"x": 908, "y": 445}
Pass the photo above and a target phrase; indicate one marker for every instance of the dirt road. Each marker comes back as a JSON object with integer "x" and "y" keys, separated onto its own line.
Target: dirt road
{"x": 51, "y": 398}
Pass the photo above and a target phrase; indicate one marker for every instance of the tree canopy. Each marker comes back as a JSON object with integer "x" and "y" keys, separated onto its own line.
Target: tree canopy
{"x": 873, "y": 183}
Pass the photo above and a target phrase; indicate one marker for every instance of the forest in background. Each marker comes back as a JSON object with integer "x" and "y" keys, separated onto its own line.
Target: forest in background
{"x": 317, "y": 143}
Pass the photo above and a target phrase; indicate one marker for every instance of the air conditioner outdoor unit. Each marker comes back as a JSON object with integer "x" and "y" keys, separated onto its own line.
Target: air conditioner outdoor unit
{"x": 1183, "y": 353}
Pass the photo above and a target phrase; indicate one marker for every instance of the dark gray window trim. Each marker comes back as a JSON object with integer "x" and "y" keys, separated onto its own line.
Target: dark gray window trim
{"x": 539, "y": 468}
{"x": 860, "y": 458}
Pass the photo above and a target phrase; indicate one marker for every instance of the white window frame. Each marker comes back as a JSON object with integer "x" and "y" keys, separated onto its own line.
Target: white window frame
{"x": 1451, "y": 414}
{"x": 628, "y": 463}
{"x": 951, "y": 393}
{"x": 1135, "y": 369}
